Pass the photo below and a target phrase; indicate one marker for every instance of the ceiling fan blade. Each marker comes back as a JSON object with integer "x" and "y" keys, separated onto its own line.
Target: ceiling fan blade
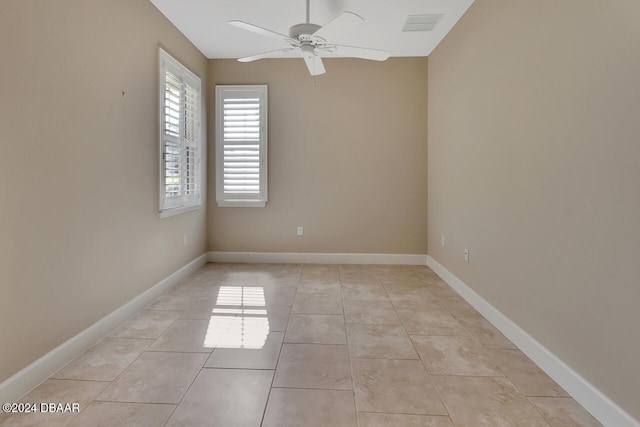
{"x": 270, "y": 54}
{"x": 314, "y": 64}
{"x": 354, "y": 52}
{"x": 260, "y": 30}
{"x": 339, "y": 25}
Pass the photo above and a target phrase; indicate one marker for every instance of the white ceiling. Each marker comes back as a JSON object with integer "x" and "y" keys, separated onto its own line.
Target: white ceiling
{"x": 204, "y": 22}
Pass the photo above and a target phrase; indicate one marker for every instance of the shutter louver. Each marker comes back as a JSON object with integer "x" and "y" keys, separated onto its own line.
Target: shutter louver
{"x": 172, "y": 146}
{"x": 241, "y": 141}
{"x": 180, "y": 135}
{"x": 241, "y": 145}
{"x": 191, "y": 157}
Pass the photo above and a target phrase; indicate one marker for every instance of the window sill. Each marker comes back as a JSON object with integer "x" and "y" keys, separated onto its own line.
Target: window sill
{"x": 241, "y": 203}
{"x": 177, "y": 211}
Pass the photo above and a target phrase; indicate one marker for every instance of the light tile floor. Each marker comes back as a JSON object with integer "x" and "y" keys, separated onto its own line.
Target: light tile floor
{"x": 306, "y": 345}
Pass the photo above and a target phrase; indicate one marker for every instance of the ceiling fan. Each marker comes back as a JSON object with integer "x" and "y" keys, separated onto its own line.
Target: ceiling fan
{"x": 309, "y": 41}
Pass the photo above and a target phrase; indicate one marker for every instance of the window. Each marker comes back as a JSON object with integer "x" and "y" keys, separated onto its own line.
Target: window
{"x": 180, "y": 136}
{"x": 241, "y": 146}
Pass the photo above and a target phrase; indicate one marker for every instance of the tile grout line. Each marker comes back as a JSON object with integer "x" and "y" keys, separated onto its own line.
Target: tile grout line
{"x": 421, "y": 361}
{"x": 505, "y": 375}
{"x": 195, "y": 376}
{"x": 342, "y": 272}
{"x": 346, "y": 338}
{"x": 117, "y": 376}
{"x": 110, "y": 336}
{"x": 275, "y": 369}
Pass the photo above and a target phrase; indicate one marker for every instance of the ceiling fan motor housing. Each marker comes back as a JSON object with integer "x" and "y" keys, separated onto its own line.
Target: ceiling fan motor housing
{"x": 304, "y": 34}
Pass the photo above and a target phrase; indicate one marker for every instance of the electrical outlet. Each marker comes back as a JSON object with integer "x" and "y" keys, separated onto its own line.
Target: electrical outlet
{"x": 185, "y": 240}
{"x": 442, "y": 240}
{"x": 466, "y": 254}
{"x": 300, "y": 230}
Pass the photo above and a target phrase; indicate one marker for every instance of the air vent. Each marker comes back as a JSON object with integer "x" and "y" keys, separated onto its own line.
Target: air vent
{"x": 421, "y": 22}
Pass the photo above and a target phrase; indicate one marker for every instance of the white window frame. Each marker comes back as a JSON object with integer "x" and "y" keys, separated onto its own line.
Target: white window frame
{"x": 184, "y": 202}
{"x": 241, "y": 200}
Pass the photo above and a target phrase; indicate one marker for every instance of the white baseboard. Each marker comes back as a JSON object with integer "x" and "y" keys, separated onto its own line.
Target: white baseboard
{"x": 317, "y": 258}
{"x": 31, "y": 376}
{"x": 585, "y": 393}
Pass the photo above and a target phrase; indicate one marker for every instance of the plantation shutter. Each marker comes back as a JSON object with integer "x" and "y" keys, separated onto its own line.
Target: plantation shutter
{"x": 180, "y": 136}
{"x": 241, "y": 148}
{"x": 172, "y": 155}
{"x": 191, "y": 170}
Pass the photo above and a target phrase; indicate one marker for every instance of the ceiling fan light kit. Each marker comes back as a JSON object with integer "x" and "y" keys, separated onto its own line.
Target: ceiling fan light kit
{"x": 309, "y": 41}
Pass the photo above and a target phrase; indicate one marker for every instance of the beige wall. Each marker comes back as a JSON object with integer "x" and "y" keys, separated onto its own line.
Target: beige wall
{"x": 79, "y": 229}
{"x": 347, "y": 158}
{"x": 534, "y": 164}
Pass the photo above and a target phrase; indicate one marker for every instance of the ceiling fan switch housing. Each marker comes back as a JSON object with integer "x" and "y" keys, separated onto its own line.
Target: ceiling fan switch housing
{"x": 307, "y": 50}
